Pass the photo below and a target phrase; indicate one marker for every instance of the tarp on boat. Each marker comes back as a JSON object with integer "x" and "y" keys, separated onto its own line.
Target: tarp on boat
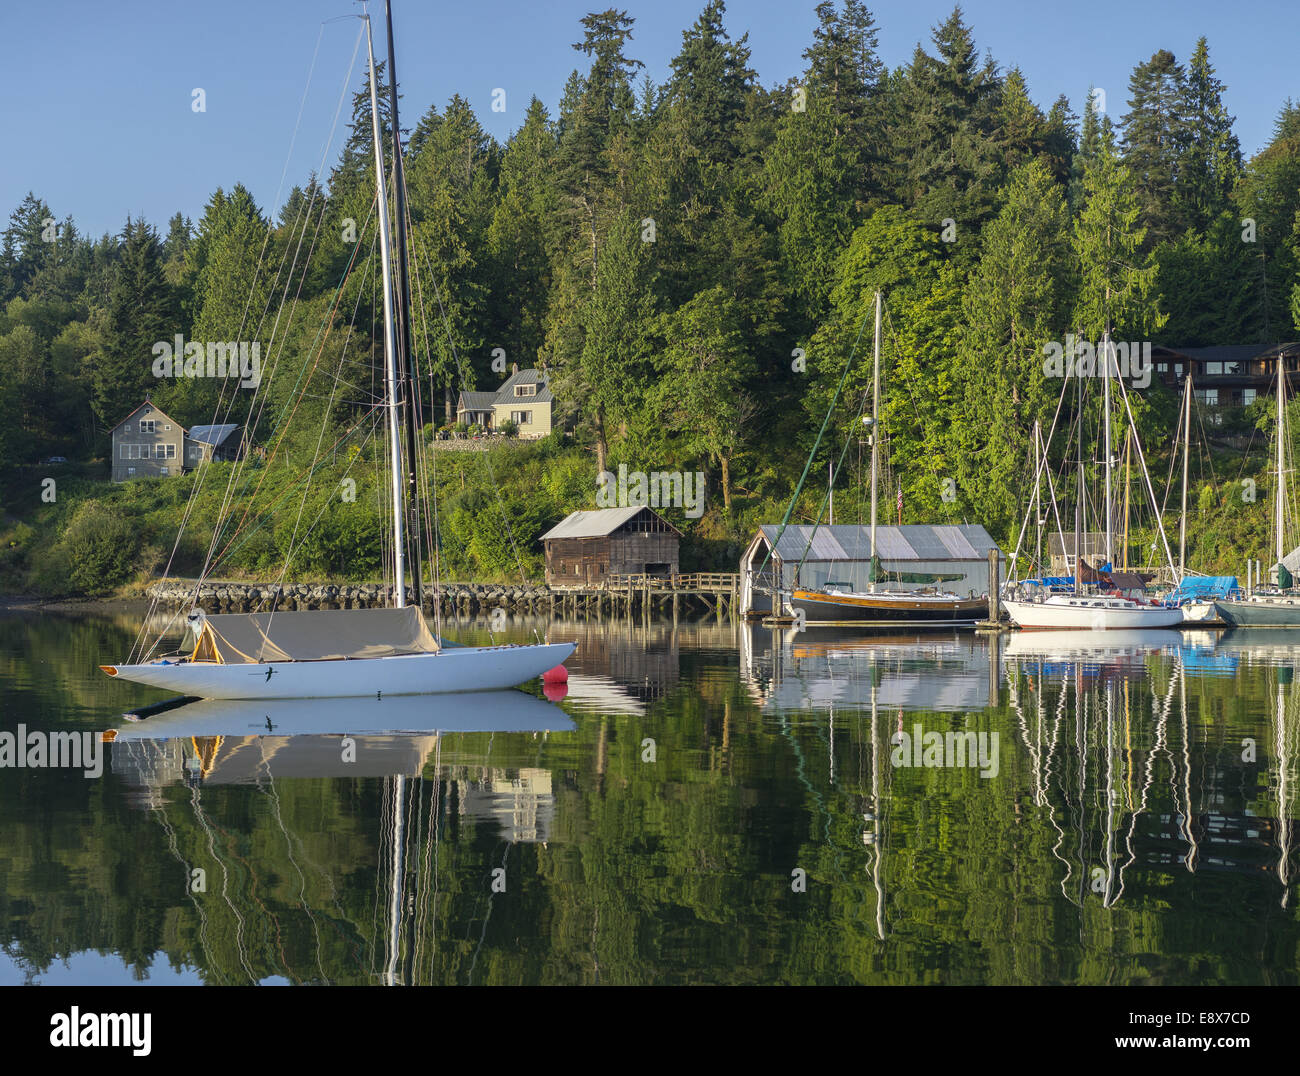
{"x": 1204, "y": 587}
{"x": 318, "y": 635}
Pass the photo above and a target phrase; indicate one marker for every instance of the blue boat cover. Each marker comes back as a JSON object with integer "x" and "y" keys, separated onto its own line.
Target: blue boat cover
{"x": 1203, "y": 587}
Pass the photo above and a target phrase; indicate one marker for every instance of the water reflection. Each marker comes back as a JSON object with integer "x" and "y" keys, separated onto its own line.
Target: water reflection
{"x": 647, "y": 828}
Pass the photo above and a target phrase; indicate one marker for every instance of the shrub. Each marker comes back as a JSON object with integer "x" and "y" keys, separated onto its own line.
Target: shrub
{"x": 100, "y": 548}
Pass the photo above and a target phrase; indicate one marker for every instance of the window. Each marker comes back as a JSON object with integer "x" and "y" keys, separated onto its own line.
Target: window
{"x": 1162, "y": 367}
{"x": 1212, "y": 368}
{"x": 1247, "y": 397}
{"x": 126, "y": 428}
{"x": 525, "y": 390}
{"x": 521, "y": 418}
{"x": 122, "y": 452}
{"x": 171, "y": 452}
{"x": 130, "y": 471}
{"x": 168, "y": 427}
{"x": 162, "y": 470}
{"x": 147, "y": 425}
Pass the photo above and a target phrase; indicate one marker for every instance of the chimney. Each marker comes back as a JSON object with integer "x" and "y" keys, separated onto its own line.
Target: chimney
{"x": 514, "y": 367}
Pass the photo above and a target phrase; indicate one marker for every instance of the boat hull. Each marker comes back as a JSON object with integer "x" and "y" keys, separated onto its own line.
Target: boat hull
{"x": 821, "y": 607}
{"x": 1265, "y": 613}
{"x": 459, "y": 669}
{"x": 1098, "y": 615}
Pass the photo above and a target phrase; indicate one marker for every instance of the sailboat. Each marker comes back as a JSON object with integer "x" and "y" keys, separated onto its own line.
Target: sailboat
{"x": 1119, "y": 607}
{"x": 1278, "y": 607}
{"x": 834, "y": 603}
{"x": 349, "y": 653}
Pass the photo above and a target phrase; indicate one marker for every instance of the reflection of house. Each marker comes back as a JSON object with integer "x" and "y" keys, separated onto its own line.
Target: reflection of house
{"x": 525, "y": 399}
{"x": 149, "y": 444}
{"x": 587, "y": 547}
{"x": 523, "y": 806}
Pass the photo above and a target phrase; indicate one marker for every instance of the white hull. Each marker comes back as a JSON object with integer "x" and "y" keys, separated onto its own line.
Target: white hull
{"x": 456, "y": 669}
{"x": 1095, "y": 614}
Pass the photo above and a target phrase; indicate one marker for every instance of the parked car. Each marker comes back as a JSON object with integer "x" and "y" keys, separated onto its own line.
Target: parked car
{"x": 57, "y": 459}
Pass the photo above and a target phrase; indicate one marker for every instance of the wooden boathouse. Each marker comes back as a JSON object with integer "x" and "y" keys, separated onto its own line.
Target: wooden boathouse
{"x": 586, "y": 549}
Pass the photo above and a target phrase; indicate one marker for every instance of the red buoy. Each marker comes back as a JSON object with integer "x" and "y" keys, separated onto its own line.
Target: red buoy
{"x": 558, "y": 675}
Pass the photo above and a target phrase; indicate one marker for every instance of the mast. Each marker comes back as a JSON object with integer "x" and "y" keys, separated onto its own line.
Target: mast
{"x": 405, "y": 352}
{"x": 390, "y": 343}
{"x": 875, "y": 438}
{"x": 1281, "y": 422}
{"x": 1106, "y": 352}
{"x": 1078, "y": 493}
{"x": 1187, "y": 451}
{"x": 1038, "y": 513}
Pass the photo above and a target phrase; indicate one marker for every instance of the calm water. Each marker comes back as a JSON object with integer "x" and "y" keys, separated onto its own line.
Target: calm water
{"x": 709, "y": 804}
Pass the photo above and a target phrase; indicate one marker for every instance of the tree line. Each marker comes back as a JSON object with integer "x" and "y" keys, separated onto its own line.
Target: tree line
{"x": 692, "y": 261}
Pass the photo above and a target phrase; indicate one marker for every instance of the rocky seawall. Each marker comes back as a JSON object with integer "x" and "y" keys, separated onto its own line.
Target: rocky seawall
{"x": 224, "y": 597}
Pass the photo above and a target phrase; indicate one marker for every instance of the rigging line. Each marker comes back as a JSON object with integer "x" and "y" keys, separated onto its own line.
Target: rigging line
{"x": 827, "y": 495}
{"x": 250, "y": 432}
{"x": 283, "y": 425}
{"x": 320, "y": 437}
{"x": 487, "y": 455}
{"x": 848, "y": 366}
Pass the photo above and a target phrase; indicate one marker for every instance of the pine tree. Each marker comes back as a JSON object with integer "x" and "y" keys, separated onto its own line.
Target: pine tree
{"x": 141, "y": 312}
{"x": 1155, "y": 142}
{"x": 1211, "y": 160}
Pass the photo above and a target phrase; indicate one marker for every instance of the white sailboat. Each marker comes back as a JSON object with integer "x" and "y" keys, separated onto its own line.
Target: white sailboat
{"x": 354, "y": 652}
{"x": 1078, "y": 609}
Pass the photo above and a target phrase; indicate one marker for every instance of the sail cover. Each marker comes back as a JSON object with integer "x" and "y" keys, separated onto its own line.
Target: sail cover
{"x": 320, "y": 635}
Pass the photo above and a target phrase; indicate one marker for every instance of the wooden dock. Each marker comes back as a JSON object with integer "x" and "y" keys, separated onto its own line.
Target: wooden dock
{"x": 622, "y": 595}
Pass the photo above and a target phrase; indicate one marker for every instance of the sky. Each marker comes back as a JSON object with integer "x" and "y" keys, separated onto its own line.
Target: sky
{"x": 100, "y": 119}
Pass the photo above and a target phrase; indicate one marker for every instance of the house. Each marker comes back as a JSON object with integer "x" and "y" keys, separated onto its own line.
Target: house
{"x": 588, "y": 547}
{"x": 148, "y": 443}
{"x": 953, "y": 558}
{"x": 206, "y": 443}
{"x": 1228, "y": 375}
{"x": 525, "y": 399}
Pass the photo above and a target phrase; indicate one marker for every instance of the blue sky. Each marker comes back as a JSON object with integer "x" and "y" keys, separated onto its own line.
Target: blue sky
{"x": 98, "y": 116}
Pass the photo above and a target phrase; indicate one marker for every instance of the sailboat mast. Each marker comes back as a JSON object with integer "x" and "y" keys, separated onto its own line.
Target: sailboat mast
{"x": 1106, "y": 359}
{"x": 1038, "y": 512}
{"x": 405, "y": 350}
{"x": 875, "y": 435}
{"x": 1281, "y": 422}
{"x": 390, "y": 343}
{"x": 1187, "y": 452}
{"x": 1078, "y": 493}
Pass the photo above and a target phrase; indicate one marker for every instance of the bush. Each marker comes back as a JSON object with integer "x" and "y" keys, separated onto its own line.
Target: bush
{"x": 99, "y": 547}
{"x": 509, "y": 428}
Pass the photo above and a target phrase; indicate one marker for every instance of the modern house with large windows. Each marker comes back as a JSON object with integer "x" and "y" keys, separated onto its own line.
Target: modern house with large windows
{"x": 148, "y": 443}
{"x": 1228, "y": 375}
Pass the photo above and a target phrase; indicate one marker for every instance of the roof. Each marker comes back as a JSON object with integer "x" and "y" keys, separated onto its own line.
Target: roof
{"x": 213, "y": 435}
{"x": 153, "y": 407}
{"x": 598, "y": 522}
{"x": 506, "y": 393}
{"x": 476, "y": 401}
{"x": 965, "y": 541}
{"x": 1231, "y": 352}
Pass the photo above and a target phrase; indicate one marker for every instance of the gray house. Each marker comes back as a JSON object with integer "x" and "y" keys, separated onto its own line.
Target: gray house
{"x": 525, "y": 399}
{"x": 148, "y": 443}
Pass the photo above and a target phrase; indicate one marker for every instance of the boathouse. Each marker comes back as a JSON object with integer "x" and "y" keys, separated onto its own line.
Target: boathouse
{"x": 952, "y": 558}
{"x": 588, "y": 547}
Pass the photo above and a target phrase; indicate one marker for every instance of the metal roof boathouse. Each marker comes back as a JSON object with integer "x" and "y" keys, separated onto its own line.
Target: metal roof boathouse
{"x": 957, "y": 554}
